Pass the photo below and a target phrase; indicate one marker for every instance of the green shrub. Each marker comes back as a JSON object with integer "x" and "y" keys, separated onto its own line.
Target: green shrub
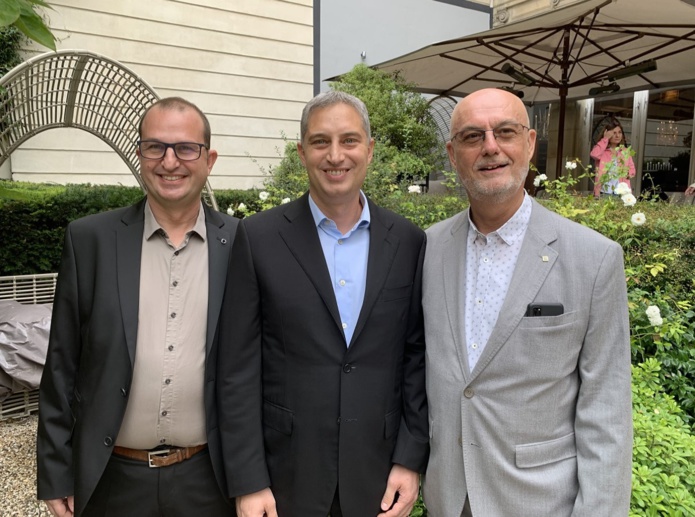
{"x": 663, "y": 478}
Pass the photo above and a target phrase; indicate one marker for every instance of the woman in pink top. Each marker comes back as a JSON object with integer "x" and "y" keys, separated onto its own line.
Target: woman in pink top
{"x": 610, "y": 159}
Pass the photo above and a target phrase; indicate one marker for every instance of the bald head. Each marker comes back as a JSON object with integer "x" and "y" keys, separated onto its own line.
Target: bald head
{"x": 487, "y": 101}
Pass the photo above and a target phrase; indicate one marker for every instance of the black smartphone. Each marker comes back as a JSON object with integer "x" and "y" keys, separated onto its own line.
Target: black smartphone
{"x": 544, "y": 309}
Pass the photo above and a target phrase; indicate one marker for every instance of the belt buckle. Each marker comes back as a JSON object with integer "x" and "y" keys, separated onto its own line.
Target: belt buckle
{"x": 152, "y": 454}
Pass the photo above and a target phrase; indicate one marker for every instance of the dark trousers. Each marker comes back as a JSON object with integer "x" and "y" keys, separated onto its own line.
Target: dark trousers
{"x": 131, "y": 487}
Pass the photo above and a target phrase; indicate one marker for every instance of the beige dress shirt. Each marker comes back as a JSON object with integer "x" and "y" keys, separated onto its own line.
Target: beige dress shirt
{"x": 166, "y": 395}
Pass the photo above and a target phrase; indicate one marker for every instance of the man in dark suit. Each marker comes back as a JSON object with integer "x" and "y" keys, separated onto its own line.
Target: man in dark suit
{"x": 127, "y": 419}
{"x": 321, "y": 354}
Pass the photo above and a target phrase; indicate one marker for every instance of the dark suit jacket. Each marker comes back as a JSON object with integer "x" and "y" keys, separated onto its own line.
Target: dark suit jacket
{"x": 299, "y": 410}
{"x": 86, "y": 379}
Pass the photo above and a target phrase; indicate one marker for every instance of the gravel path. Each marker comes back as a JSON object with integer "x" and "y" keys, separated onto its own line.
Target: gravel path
{"x": 18, "y": 469}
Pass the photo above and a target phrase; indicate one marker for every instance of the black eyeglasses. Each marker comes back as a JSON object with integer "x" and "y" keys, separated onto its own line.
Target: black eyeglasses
{"x": 184, "y": 151}
{"x": 504, "y": 134}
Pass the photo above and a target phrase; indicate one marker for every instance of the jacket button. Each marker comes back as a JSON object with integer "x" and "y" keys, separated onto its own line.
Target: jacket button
{"x": 108, "y": 441}
{"x": 468, "y": 393}
{"x": 124, "y": 392}
{"x": 347, "y": 368}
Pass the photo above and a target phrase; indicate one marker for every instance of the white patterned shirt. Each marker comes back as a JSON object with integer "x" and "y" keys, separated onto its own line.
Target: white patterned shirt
{"x": 490, "y": 263}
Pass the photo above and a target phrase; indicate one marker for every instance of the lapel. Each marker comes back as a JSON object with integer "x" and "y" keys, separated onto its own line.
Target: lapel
{"x": 128, "y": 253}
{"x": 301, "y": 237}
{"x": 536, "y": 259}
{"x": 219, "y": 237}
{"x": 382, "y": 250}
{"x": 453, "y": 271}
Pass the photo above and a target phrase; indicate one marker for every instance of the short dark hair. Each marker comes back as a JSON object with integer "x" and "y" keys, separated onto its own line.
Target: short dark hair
{"x": 169, "y": 103}
{"x": 326, "y": 99}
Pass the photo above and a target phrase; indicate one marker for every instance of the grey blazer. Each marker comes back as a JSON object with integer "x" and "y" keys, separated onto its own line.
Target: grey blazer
{"x": 542, "y": 426}
{"x": 86, "y": 381}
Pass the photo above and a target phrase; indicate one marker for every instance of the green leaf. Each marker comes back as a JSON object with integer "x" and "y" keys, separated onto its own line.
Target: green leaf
{"x": 9, "y": 12}
{"x": 34, "y": 28}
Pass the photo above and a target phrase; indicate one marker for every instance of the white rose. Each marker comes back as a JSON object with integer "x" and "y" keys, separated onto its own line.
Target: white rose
{"x": 537, "y": 181}
{"x": 414, "y": 189}
{"x": 653, "y": 311}
{"x": 285, "y": 201}
{"x": 230, "y": 211}
{"x": 638, "y": 219}
{"x": 264, "y": 195}
{"x": 622, "y": 188}
{"x": 571, "y": 165}
{"x": 656, "y": 321}
{"x": 628, "y": 199}
{"x": 241, "y": 207}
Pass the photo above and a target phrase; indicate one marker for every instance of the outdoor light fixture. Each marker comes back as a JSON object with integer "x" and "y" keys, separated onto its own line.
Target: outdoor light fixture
{"x": 608, "y": 88}
{"x": 636, "y": 69}
{"x": 518, "y": 75}
{"x": 511, "y": 89}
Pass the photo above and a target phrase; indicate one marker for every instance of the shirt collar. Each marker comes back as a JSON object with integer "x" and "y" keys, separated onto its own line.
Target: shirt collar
{"x": 515, "y": 228}
{"x": 319, "y": 217}
{"x": 152, "y": 226}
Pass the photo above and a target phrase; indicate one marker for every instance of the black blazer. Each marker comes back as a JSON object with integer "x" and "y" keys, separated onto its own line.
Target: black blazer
{"x": 299, "y": 411}
{"x": 86, "y": 380}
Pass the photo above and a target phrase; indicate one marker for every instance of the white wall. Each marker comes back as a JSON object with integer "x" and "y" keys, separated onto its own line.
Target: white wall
{"x": 248, "y": 64}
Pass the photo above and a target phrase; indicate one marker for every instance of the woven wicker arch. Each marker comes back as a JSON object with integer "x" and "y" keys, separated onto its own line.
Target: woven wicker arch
{"x": 76, "y": 89}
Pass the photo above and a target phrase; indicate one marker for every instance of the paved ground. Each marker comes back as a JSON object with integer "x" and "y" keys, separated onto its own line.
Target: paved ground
{"x": 18, "y": 469}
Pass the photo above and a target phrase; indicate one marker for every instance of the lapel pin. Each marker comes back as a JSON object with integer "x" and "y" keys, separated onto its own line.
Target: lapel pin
{"x": 545, "y": 258}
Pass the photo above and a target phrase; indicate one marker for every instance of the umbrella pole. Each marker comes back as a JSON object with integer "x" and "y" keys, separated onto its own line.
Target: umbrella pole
{"x": 560, "y": 131}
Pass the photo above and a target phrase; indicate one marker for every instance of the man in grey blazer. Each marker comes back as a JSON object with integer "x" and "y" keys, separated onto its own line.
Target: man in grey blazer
{"x": 528, "y": 354}
{"x": 127, "y": 413}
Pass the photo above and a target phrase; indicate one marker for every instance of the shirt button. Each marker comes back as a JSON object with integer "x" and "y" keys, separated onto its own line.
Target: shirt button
{"x": 468, "y": 393}
{"x": 474, "y": 346}
{"x": 176, "y": 253}
{"x": 168, "y": 381}
{"x": 340, "y": 241}
{"x": 344, "y": 325}
{"x": 164, "y": 413}
{"x": 175, "y": 283}
{"x": 342, "y": 283}
{"x": 173, "y": 315}
{"x": 486, "y": 260}
{"x": 162, "y": 440}
{"x": 171, "y": 347}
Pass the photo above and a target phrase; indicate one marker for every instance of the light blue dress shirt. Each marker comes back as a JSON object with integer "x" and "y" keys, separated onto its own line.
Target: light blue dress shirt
{"x": 346, "y": 257}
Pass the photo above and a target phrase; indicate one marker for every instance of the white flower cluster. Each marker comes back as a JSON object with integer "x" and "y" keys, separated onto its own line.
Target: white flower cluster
{"x": 540, "y": 178}
{"x": 414, "y": 189}
{"x": 263, "y": 196}
{"x": 230, "y": 211}
{"x": 654, "y": 315}
{"x": 571, "y": 165}
{"x": 285, "y": 200}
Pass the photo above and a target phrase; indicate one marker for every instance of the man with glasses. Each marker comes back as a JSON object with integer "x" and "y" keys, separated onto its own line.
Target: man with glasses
{"x": 528, "y": 351}
{"x": 127, "y": 414}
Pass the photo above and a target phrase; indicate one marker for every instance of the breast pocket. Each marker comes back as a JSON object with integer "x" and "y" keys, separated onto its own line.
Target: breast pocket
{"x": 396, "y": 293}
{"x": 550, "y": 342}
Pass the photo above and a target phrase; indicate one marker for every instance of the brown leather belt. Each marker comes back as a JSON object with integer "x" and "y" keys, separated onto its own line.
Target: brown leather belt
{"x": 159, "y": 457}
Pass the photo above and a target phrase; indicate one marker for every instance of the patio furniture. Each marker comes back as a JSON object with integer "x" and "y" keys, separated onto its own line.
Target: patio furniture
{"x": 26, "y": 289}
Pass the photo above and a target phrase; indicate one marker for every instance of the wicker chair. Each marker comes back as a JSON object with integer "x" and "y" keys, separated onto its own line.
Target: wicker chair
{"x": 77, "y": 89}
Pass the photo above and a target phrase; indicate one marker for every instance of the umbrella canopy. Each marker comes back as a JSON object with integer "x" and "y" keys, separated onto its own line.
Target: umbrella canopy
{"x": 606, "y": 44}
